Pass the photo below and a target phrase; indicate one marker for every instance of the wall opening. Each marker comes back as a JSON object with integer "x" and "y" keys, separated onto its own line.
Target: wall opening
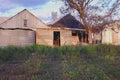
{"x": 56, "y": 38}
{"x": 83, "y": 37}
{"x": 25, "y": 22}
{"x": 74, "y": 33}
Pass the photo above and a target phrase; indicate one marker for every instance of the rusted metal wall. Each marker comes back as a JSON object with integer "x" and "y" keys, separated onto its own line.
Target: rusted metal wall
{"x": 16, "y": 37}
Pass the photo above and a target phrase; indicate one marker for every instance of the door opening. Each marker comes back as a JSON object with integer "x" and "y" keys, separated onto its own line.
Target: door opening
{"x": 56, "y": 38}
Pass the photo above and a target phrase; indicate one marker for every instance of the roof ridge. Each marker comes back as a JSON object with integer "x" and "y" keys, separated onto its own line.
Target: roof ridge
{"x": 59, "y": 19}
{"x": 19, "y": 13}
{"x": 13, "y": 16}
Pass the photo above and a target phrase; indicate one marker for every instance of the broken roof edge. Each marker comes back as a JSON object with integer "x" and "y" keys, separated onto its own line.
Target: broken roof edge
{"x": 18, "y": 28}
{"x": 46, "y": 28}
{"x": 58, "y": 28}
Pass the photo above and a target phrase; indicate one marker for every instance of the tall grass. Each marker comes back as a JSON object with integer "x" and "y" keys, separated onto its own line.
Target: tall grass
{"x": 93, "y": 62}
{"x": 12, "y": 53}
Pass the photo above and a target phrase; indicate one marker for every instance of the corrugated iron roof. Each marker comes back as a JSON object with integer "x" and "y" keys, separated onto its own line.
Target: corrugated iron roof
{"x": 68, "y": 21}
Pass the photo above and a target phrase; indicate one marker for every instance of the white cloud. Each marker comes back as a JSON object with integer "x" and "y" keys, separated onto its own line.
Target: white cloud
{"x": 6, "y": 5}
{"x": 41, "y": 11}
{"x": 11, "y": 12}
{"x": 45, "y": 10}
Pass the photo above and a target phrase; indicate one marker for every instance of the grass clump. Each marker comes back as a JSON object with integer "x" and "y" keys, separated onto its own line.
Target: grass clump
{"x": 93, "y": 62}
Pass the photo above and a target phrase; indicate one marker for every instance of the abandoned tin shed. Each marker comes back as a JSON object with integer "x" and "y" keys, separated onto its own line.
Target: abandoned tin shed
{"x": 65, "y": 31}
{"x": 25, "y": 29}
{"x": 20, "y": 30}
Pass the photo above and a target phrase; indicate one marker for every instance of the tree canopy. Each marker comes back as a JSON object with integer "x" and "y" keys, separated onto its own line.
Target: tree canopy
{"x": 94, "y": 13}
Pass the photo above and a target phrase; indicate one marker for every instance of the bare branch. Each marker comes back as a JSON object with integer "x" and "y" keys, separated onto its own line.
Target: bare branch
{"x": 87, "y": 2}
{"x": 94, "y": 13}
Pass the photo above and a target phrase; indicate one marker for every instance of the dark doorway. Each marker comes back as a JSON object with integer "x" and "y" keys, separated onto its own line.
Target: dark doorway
{"x": 56, "y": 38}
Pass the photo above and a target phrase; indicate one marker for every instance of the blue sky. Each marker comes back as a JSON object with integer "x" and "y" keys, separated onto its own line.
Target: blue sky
{"x": 40, "y": 8}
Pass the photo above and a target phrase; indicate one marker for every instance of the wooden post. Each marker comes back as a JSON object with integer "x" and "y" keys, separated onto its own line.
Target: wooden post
{"x": 82, "y": 37}
{"x": 85, "y": 38}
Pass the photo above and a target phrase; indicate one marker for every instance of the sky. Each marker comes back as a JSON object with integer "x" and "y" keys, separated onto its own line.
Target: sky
{"x": 40, "y": 8}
